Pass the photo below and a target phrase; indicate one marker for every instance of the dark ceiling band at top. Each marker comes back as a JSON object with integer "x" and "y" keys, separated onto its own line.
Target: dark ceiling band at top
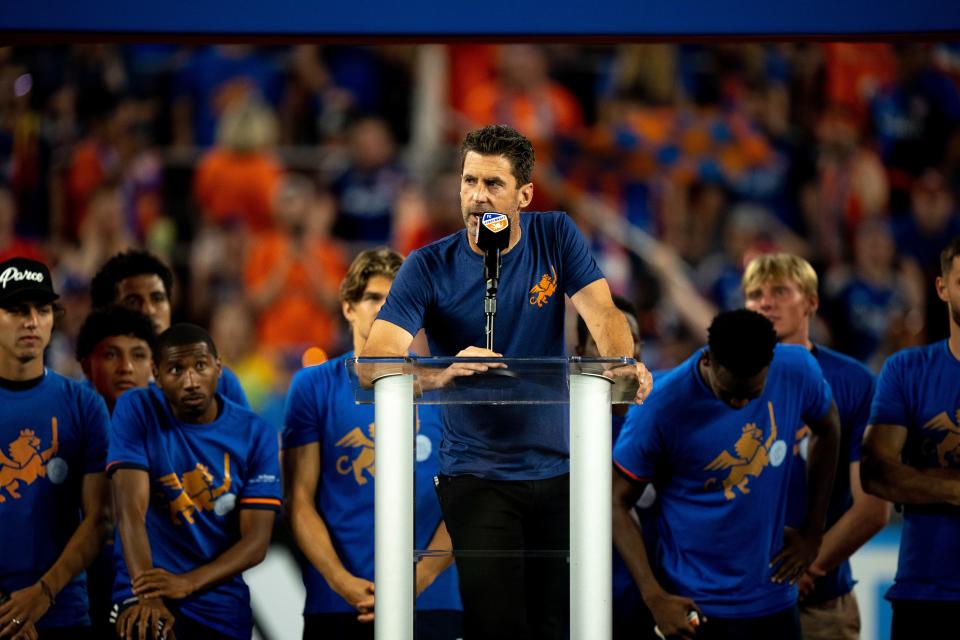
{"x": 493, "y": 18}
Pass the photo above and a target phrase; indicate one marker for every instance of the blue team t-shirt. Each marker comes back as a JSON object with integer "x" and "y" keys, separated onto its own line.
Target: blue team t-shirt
{"x": 229, "y": 387}
{"x": 321, "y": 408}
{"x": 201, "y": 475}
{"x": 724, "y": 472}
{"x": 51, "y": 436}
{"x": 852, "y": 385}
{"x": 919, "y": 389}
{"x": 440, "y": 288}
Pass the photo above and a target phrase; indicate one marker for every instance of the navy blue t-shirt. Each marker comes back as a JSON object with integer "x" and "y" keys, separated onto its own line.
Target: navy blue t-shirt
{"x": 723, "y": 477}
{"x": 201, "y": 475}
{"x": 919, "y": 389}
{"x": 852, "y": 384}
{"x": 321, "y": 408}
{"x": 440, "y": 288}
{"x": 51, "y": 436}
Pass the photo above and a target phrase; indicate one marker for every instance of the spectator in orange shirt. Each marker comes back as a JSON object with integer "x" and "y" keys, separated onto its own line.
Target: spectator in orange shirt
{"x": 236, "y": 180}
{"x": 524, "y": 97}
{"x": 293, "y": 273}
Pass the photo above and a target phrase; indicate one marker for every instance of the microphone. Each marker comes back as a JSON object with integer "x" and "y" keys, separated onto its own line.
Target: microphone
{"x": 493, "y": 236}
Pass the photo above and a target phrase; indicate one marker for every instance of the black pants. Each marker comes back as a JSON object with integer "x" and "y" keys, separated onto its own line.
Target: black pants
{"x": 428, "y": 625}
{"x": 189, "y": 629}
{"x": 66, "y": 633}
{"x": 184, "y": 627}
{"x": 512, "y": 542}
{"x": 100, "y": 576}
{"x": 922, "y": 619}
{"x": 783, "y": 625}
{"x": 632, "y": 619}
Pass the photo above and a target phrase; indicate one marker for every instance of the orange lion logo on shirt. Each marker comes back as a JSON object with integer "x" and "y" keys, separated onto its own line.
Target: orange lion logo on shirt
{"x": 26, "y": 462}
{"x": 752, "y": 457}
{"x": 196, "y": 491}
{"x": 545, "y": 288}
{"x": 948, "y": 449}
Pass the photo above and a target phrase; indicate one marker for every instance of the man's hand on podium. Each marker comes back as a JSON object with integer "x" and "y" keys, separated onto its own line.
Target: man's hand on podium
{"x": 442, "y": 378}
{"x": 644, "y": 379}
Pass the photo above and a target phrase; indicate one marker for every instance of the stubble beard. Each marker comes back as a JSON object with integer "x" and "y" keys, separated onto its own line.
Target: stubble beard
{"x": 954, "y": 314}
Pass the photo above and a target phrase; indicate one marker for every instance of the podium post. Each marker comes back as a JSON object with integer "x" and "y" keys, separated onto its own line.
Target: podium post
{"x": 591, "y": 574}
{"x": 394, "y": 507}
{"x": 533, "y": 381}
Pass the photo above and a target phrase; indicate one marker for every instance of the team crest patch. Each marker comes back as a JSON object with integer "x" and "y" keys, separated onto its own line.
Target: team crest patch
{"x": 544, "y": 288}
{"x": 25, "y": 461}
{"x": 495, "y": 222}
{"x": 751, "y": 456}
{"x": 195, "y": 492}
{"x": 364, "y": 460}
{"x": 948, "y": 449}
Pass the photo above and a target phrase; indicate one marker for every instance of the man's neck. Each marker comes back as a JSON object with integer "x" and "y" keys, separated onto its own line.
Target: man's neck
{"x": 953, "y": 342}
{"x": 801, "y": 339}
{"x": 13, "y": 369}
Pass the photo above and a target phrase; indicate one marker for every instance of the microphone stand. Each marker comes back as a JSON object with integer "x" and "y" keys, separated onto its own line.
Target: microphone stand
{"x": 490, "y": 299}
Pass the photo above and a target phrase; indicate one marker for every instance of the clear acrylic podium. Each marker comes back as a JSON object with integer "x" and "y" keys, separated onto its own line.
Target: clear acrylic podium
{"x": 583, "y": 383}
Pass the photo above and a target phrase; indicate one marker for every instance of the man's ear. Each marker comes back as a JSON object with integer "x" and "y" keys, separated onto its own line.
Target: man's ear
{"x": 85, "y": 366}
{"x": 347, "y": 309}
{"x": 941, "y": 284}
{"x": 526, "y": 195}
{"x": 814, "y": 300}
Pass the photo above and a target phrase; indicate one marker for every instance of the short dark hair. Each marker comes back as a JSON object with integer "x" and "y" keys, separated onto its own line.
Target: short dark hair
{"x": 372, "y": 262}
{"x": 113, "y": 321}
{"x": 181, "y": 334}
{"x": 501, "y": 140}
{"x": 742, "y": 341}
{"x": 949, "y": 252}
{"x": 135, "y": 262}
{"x": 620, "y": 303}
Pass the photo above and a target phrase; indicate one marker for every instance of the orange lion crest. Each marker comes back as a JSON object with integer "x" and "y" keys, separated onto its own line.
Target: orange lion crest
{"x": 25, "y": 462}
{"x": 545, "y": 288}
{"x": 948, "y": 449}
{"x": 365, "y": 460}
{"x": 752, "y": 457}
{"x": 196, "y": 491}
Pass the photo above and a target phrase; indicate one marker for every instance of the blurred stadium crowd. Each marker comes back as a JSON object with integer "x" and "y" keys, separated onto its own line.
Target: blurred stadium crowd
{"x": 258, "y": 172}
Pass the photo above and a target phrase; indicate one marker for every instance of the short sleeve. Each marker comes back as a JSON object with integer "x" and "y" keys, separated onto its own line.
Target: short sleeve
{"x": 890, "y": 405}
{"x": 817, "y": 395}
{"x": 303, "y": 416}
{"x": 408, "y": 300}
{"x": 96, "y": 423}
{"x": 262, "y": 488}
{"x": 639, "y": 446}
{"x": 579, "y": 266}
{"x": 127, "y": 447}
{"x": 230, "y": 388}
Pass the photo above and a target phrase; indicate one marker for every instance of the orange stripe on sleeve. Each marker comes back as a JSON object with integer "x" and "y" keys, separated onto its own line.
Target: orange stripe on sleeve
{"x": 273, "y": 501}
{"x": 629, "y": 473}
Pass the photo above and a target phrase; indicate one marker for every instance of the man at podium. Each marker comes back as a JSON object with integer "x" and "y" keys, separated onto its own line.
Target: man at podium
{"x": 503, "y": 482}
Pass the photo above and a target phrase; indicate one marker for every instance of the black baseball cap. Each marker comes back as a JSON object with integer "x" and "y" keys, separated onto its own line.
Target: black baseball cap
{"x": 24, "y": 279}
